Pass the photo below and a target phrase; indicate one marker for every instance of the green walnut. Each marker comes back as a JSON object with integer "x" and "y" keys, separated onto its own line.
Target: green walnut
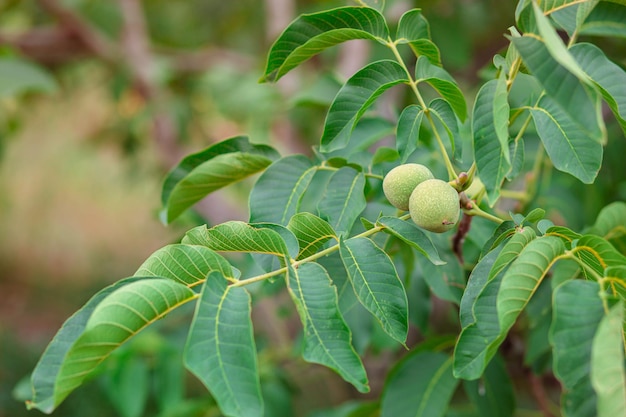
{"x": 434, "y": 205}
{"x": 400, "y": 182}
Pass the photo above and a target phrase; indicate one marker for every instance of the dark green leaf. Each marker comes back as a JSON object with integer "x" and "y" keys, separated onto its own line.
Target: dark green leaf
{"x": 611, "y": 225}
{"x": 310, "y": 34}
{"x": 412, "y": 235}
{"x": 493, "y": 393}
{"x": 443, "y": 114}
{"x": 376, "y": 285}
{"x": 277, "y": 193}
{"x": 311, "y": 232}
{"x": 407, "y": 133}
{"x": 413, "y": 29}
{"x": 355, "y": 97}
{"x": 326, "y": 336}
{"x": 606, "y": 19}
{"x": 443, "y": 82}
{"x": 597, "y": 253}
{"x": 344, "y": 199}
{"x": 220, "y": 348}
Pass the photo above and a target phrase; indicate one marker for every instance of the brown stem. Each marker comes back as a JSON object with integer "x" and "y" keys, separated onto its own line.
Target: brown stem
{"x": 540, "y": 395}
{"x": 459, "y": 237}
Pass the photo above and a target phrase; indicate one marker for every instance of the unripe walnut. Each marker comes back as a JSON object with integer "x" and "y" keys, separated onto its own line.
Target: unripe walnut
{"x": 434, "y": 206}
{"x": 400, "y": 182}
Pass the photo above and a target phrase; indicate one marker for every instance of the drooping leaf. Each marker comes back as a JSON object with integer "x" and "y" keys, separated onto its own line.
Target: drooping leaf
{"x": 608, "y": 77}
{"x": 597, "y": 253}
{"x": 611, "y": 225}
{"x": 443, "y": 114}
{"x": 187, "y": 264}
{"x": 571, "y": 149}
{"x": 504, "y": 231}
{"x": 606, "y": 19}
{"x": 44, "y": 376}
{"x": 344, "y": 199}
{"x": 420, "y": 385}
{"x": 355, "y": 97}
{"x": 220, "y": 348}
{"x": 311, "y": 232}
{"x": 376, "y": 285}
{"x": 512, "y": 250}
{"x": 413, "y": 29}
{"x": 493, "y": 393}
{"x": 491, "y": 138}
{"x": 326, "y": 336}
{"x": 277, "y": 193}
{"x": 407, "y": 133}
{"x": 310, "y": 34}
{"x": 539, "y": 314}
{"x": 443, "y": 82}
{"x": 446, "y": 281}
{"x": 18, "y": 76}
{"x": 571, "y": 336}
{"x": 117, "y": 318}
{"x": 608, "y": 376}
{"x": 412, "y": 235}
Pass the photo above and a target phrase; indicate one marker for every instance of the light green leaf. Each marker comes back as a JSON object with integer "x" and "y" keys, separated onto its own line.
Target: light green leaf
{"x": 608, "y": 77}
{"x": 187, "y": 264}
{"x": 571, "y": 336}
{"x": 220, "y": 348}
{"x": 443, "y": 82}
{"x": 570, "y": 149}
{"x": 311, "y": 232}
{"x": 18, "y": 76}
{"x": 277, "y": 193}
{"x": 608, "y": 376}
{"x": 606, "y": 19}
{"x": 344, "y": 199}
{"x": 407, "y": 132}
{"x": 550, "y": 6}
{"x": 512, "y": 250}
{"x": 326, "y": 336}
{"x": 236, "y": 236}
{"x": 202, "y": 173}
{"x": 491, "y": 137}
{"x": 493, "y": 394}
{"x": 45, "y": 374}
{"x": 117, "y": 318}
{"x": 355, "y": 97}
{"x": 413, "y": 29}
{"x": 310, "y": 34}
{"x": 376, "y": 285}
{"x": 420, "y": 385}
{"x": 412, "y": 235}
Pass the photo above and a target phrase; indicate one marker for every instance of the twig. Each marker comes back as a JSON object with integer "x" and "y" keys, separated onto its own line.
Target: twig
{"x": 539, "y": 392}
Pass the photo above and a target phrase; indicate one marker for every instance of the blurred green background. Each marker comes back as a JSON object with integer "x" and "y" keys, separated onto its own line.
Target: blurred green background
{"x": 99, "y": 99}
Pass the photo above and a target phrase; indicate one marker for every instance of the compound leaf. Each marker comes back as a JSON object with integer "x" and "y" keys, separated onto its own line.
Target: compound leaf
{"x": 442, "y": 81}
{"x": 311, "y": 231}
{"x": 344, "y": 199}
{"x": 407, "y": 132}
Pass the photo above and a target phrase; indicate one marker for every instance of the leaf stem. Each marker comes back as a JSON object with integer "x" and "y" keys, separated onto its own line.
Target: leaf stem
{"x": 477, "y": 211}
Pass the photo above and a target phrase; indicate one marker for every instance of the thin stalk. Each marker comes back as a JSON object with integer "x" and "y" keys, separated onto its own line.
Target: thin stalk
{"x": 477, "y": 211}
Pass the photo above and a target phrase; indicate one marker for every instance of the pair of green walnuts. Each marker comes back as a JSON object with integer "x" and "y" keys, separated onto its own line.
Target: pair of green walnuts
{"x": 433, "y": 203}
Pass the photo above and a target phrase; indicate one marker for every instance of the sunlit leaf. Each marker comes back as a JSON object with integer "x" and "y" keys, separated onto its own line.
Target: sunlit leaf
{"x": 412, "y": 235}
{"x": 571, "y": 336}
{"x": 420, "y": 385}
{"x": 344, "y": 199}
{"x": 277, "y": 193}
{"x": 310, "y": 34}
{"x": 220, "y": 348}
{"x": 407, "y": 133}
{"x": 311, "y": 232}
{"x": 326, "y": 336}
{"x": 355, "y": 97}
{"x": 608, "y": 376}
{"x": 188, "y": 264}
{"x": 376, "y": 285}
{"x": 491, "y": 138}
{"x": 443, "y": 82}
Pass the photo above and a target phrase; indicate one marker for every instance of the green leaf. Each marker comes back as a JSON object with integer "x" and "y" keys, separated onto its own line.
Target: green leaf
{"x": 608, "y": 376}
{"x": 18, "y": 76}
{"x": 512, "y": 250}
{"x": 491, "y": 137}
{"x": 47, "y": 369}
{"x": 444, "y": 114}
{"x": 311, "y": 232}
{"x": 571, "y": 336}
{"x": 376, "y": 285}
{"x": 326, "y": 336}
{"x": 597, "y": 253}
{"x": 539, "y": 316}
{"x": 277, "y": 193}
{"x": 608, "y": 77}
{"x": 344, "y": 199}
{"x": 236, "y": 236}
{"x": 206, "y": 171}
{"x": 117, "y": 318}
{"x": 310, "y": 34}
{"x": 606, "y": 19}
{"x": 420, "y": 385}
{"x": 187, "y": 264}
{"x": 413, "y": 29}
{"x": 407, "y": 132}
{"x": 220, "y": 348}
{"x": 412, "y": 235}
{"x": 355, "y": 97}
{"x": 443, "y": 82}
{"x": 493, "y": 393}
{"x": 573, "y": 97}
{"x": 611, "y": 221}
{"x": 570, "y": 149}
